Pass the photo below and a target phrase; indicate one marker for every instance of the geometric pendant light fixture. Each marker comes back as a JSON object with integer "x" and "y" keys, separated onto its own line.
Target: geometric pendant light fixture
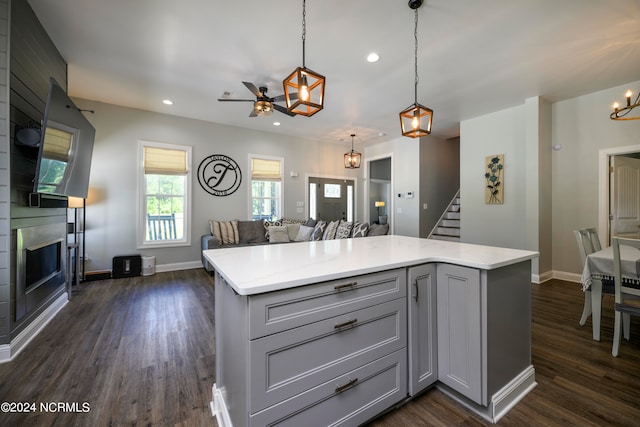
{"x": 623, "y": 113}
{"x": 352, "y": 159}
{"x": 415, "y": 120}
{"x": 304, "y": 88}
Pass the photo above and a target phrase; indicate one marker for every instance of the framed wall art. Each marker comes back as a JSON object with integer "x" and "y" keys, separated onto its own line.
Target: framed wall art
{"x": 494, "y": 180}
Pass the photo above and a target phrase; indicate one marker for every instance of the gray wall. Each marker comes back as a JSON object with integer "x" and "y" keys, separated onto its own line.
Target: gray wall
{"x": 5, "y": 211}
{"x": 33, "y": 60}
{"x": 582, "y": 127}
{"x": 439, "y": 179}
{"x": 429, "y": 168}
{"x": 111, "y": 206}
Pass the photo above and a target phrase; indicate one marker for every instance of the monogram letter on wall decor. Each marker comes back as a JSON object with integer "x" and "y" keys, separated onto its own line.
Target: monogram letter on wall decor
{"x": 219, "y": 175}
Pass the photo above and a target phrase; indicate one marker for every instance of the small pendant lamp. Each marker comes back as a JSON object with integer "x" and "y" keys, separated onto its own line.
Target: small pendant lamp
{"x": 352, "y": 159}
{"x": 304, "y": 89}
{"x": 415, "y": 121}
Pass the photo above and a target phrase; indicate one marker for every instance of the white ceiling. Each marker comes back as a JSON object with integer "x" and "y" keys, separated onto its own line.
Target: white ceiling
{"x": 475, "y": 57}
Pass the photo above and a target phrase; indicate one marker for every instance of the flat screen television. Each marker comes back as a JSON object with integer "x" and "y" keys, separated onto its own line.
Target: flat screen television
{"x": 65, "y": 149}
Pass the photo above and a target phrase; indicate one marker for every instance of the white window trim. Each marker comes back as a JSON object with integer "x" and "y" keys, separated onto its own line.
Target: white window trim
{"x": 142, "y": 243}
{"x": 249, "y": 195}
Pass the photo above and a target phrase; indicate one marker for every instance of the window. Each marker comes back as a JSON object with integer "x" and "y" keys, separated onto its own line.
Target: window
{"x": 266, "y": 187}
{"x": 165, "y": 186}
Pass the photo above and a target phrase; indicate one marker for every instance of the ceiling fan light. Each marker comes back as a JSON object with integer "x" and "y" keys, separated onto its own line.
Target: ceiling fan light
{"x": 263, "y": 108}
{"x": 300, "y": 101}
{"x": 416, "y": 121}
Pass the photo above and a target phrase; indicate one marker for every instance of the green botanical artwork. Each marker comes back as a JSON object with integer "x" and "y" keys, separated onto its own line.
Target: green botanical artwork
{"x": 494, "y": 189}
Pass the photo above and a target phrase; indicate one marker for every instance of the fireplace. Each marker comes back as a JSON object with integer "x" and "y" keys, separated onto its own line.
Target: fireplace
{"x": 40, "y": 265}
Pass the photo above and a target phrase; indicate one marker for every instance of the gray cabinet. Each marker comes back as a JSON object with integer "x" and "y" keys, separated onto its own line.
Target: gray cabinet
{"x": 484, "y": 333}
{"x": 423, "y": 362}
{"x": 331, "y": 352}
{"x": 460, "y": 330}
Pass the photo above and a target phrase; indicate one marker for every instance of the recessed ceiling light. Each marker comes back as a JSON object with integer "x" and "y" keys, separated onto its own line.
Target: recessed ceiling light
{"x": 167, "y": 102}
{"x": 276, "y": 123}
{"x": 373, "y": 57}
{"x": 382, "y": 134}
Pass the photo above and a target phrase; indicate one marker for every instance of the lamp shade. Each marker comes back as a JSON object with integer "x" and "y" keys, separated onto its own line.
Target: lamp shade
{"x": 416, "y": 120}
{"x": 75, "y": 202}
{"x": 379, "y": 204}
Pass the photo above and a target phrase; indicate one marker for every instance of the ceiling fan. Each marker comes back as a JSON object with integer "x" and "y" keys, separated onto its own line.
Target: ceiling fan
{"x": 263, "y": 105}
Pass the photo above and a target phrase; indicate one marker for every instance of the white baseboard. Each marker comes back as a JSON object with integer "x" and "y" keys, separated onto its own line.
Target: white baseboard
{"x": 569, "y": 277}
{"x": 9, "y": 351}
{"x": 189, "y": 265}
{"x": 219, "y": 408}
{"x": 502, "y": 401}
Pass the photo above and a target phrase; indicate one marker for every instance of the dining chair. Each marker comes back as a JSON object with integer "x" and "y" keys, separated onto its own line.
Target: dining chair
{"x": 588, "y": 243}
{"x": 626, "y": 297}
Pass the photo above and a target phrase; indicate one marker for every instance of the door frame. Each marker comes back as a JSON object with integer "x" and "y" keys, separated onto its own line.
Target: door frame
{"x": 343, "y": 177}
{"x": 604, "y": 187}
{"x": 390, "y": 210}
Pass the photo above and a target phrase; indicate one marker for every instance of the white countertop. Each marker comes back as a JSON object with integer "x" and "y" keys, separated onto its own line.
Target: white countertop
{"x": 264, "y": 268}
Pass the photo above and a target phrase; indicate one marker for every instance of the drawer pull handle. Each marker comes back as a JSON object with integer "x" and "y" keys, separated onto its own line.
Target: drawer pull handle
{"x": 346, "y": 386}
{"x": 347, "y": 323}
{"x": 415, "y": 283}
{"x": 346, "y": 285}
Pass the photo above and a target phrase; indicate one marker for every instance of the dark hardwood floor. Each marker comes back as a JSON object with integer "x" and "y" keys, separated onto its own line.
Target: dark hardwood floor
{"x": 140, "y": 351}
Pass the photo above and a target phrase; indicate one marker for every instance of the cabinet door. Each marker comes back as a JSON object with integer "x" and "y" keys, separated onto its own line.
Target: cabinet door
{"x": 423, "y": 367}
{"x": 459, "y": 330}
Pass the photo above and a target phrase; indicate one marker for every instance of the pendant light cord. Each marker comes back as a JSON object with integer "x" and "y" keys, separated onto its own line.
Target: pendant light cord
{"x": 304, "y": 30}
{"x": 415, "y": 56}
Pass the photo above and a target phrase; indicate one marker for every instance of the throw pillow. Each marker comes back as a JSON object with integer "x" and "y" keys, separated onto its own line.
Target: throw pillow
{"x": 311, "y": 222}
{"x": 251, "y": 232}
{"x": 268, "y": 224}
{"x": 292, "y": 230}
{"x": 304, "y": 234}
{"x": 344, "y": 230}
{"x": 278, "y": 234}
{"x": 292, "y": 221}
{"x": 378, "y": 230}
{"x": 360, "y": 229}
{"x": 318, "y": 230}
{"x": 330, "y": 232}
{"x": 225, "y": 231}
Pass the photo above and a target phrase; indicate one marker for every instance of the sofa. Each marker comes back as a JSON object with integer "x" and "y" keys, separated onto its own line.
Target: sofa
{"x": 236, "y": 233}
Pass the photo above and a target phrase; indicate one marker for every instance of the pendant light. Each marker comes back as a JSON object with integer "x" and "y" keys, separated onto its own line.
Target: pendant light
{"x": 352, "y": 159}
{"x": 304, "y": 89}
{"x": 415, "y": 121}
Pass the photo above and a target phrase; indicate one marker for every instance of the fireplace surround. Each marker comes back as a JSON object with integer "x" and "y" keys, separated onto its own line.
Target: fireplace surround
{"x": 40, "y": 265}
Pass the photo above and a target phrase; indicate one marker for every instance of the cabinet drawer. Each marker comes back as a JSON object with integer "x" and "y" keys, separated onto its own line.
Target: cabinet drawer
{"x": 291, "y": 362}
{"x": 350, "y": 399}
{"x": 278, "y": 311}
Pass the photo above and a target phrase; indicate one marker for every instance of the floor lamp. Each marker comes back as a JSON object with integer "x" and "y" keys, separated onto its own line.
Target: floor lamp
{"x": 76, "y": 203}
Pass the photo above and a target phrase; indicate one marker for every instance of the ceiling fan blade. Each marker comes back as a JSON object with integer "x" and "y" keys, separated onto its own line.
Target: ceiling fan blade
{"x": 283, "y": 97}
{"x": 253, "y": 114}
{"x": 283, "y": 110}
{"x": 236, "y": 100}
{"x": 252, "y": 88}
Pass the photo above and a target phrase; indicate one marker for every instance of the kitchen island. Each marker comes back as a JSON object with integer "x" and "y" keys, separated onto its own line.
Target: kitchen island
{"x": 337, "y": 332}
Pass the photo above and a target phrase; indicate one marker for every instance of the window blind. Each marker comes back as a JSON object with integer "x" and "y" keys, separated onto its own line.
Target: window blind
{"x": 265, "y": 170}
{"x": 57, "y": 144}
{"x": 164, "y": 161}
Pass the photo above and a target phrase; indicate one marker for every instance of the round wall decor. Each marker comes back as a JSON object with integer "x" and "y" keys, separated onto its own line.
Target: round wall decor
{"x": 219, "y": 175}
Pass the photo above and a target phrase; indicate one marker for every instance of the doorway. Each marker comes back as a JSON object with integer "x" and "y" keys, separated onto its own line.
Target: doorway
{"x": 379, "y": 190}
{"x": 331, "y": 198}
{"x": 619, "y": 193}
